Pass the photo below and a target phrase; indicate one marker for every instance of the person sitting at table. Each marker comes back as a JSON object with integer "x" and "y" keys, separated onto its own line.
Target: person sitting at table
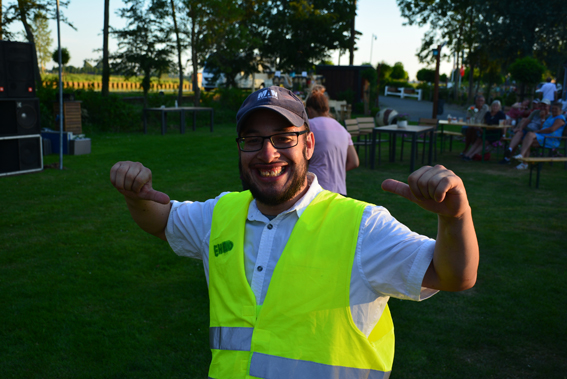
{"x": 532, "y": 123}
{"x": 491, "y": 135}
{"x": 552, "y": 127}
{"x": 471, "y": 132}
{"x": 518, "y": 111}
{"x": 334, "y": 152}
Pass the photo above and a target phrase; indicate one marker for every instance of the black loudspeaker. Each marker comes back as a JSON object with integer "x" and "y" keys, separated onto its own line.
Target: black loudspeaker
{"x": 19, "y": 117}
{"x": 20, "y": 155}
{"x": 16, "y": 70}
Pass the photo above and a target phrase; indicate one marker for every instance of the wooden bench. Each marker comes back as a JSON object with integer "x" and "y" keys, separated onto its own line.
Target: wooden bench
{"x": 539, "y": 161}
{"x": 403, "y": 92}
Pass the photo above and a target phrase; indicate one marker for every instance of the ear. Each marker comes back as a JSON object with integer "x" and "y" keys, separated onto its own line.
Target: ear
{"x": 309, "y": 145}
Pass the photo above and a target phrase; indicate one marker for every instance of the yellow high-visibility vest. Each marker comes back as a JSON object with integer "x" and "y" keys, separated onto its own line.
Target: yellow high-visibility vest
{"x": 305, "y": 328}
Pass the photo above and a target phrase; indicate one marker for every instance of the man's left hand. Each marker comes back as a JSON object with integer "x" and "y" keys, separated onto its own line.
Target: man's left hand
{"x": 435, "y": 189}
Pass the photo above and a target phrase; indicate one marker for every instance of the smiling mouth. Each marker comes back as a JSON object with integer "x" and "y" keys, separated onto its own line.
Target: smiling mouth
{"x": 272, "y": 173}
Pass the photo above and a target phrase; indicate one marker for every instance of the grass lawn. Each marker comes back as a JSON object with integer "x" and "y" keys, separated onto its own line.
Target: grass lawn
{"x": 86, "y": 294}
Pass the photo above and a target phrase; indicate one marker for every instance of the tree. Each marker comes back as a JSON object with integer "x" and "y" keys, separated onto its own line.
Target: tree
{"x": 426, "y": 75}
{"x": 143, "y": 45}
{"x": 385, "y": 71}
{"x": 43, "y": 42}
{"x": 178, "y": 45}
{"x": 398, "y": 72}
{"x": 105, "y": 52}
{"x": 236, "y": 42}
{"x": 296, "y": 34}
{"x": 453, "y": 22}
{"x": 65, "y": 56}
{"x": 527, "y": 71}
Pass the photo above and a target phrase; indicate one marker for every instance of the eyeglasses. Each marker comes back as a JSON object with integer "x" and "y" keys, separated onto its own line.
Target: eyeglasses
{"x": 279, "y": 141}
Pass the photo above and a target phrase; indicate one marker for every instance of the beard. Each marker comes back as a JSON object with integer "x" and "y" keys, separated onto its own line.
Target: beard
{"x": 271, "y": 197}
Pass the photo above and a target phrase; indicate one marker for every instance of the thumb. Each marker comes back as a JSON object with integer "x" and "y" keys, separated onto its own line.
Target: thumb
{"x": 399, "y": 188}
{"x": 148, "y": 193}
{"x": 158, "y": 197}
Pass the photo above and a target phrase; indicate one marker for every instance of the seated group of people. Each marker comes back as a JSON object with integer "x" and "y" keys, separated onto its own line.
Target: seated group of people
{"x": 537, "y": 130}
{"x": 532, "y": 127}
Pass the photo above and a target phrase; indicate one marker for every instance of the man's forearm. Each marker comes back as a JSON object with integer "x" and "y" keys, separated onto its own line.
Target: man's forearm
{"x": 456, "y": 253}
{"x": 149, "y": 215}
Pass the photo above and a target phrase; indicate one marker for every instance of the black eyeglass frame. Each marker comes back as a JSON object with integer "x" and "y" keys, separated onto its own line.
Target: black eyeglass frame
{"x": 241, "y": 139}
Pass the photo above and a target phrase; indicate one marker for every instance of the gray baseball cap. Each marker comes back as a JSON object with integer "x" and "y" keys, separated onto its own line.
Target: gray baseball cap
{"x": 278, "y": 99}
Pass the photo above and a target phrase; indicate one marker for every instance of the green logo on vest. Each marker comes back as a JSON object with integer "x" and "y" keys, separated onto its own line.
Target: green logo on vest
{"x": 223, "y": 247}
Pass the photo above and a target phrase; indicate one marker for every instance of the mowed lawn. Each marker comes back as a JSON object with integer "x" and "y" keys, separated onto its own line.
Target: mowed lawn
{"x": 84, "y": 293}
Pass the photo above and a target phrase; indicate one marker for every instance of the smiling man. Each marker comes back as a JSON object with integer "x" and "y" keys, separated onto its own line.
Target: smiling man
{"x": 299, "y": 277}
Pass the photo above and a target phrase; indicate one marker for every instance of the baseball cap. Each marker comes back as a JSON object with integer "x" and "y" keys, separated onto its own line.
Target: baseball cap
{"x": 278, "y": 99}
{"x": 545, "y": 101}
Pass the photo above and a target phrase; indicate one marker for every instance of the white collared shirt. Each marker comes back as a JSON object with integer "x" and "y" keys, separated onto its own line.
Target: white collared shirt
{"x": 390, "y": 259}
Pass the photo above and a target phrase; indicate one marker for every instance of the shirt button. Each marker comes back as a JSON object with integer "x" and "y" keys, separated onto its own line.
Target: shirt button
{"x": 260, "y": 268}
{"x": 270, "y": 226}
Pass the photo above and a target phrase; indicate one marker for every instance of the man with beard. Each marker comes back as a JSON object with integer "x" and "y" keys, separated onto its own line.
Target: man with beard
{"x": 299, "y": 277}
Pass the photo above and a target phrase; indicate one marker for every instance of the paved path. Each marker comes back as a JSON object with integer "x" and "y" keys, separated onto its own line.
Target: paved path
{"x": 419, "y": 109}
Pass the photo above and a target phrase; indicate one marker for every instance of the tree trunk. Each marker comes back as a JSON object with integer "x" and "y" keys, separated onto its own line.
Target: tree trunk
{"x": 180, "y": 65}
{"x": 471, "y": 82}
{"x": 29, "y": 36}
{"x": 1, "y": 19}
{"x": 105, "y": 64}
{"x": 352, "y": 37}
{"x": 195, "y": 61}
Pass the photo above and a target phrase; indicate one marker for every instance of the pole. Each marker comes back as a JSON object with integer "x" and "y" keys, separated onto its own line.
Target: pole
{"x": 60, "y": 92}
{"x": 564, "y": 93}
{"x": 436, "y": 88}
{"x": 371, "y": 43}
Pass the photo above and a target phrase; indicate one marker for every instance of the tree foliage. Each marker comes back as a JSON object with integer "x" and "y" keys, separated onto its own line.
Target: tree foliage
{"x": 42, "y": 36}
{"x": 426, "y": 75}
{"x": 144, "y": 45}
{"x": 65, "y": 56}
{"x": 398, "y": 72}
{"x": 527, "y": 70}
{"x": 297, "y": 34}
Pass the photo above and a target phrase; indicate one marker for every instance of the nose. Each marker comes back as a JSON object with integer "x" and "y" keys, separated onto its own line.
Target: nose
{"x": 268, "y": 153}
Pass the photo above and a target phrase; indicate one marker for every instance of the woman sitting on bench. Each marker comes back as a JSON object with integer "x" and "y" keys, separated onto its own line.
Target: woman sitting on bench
{"x": 552, "y": 127}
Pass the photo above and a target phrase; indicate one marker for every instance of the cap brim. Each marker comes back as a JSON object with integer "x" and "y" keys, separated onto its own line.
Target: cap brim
{"x": 293, "y": 119}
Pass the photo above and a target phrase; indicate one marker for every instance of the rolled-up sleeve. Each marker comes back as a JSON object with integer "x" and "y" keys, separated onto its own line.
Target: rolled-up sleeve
{"x": 392, "y": 259}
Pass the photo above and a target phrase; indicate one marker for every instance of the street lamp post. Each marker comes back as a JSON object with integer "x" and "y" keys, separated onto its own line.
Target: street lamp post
{"x": 371, "y": 43}
{"x": 437, "y": 55}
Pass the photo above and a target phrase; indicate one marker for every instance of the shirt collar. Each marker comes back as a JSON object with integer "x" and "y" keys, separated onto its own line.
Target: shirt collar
{"x": 299, "y": 207}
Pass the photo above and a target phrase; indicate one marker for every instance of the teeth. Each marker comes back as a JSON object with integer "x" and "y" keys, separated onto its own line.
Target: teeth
{"x": 276, "y": 171}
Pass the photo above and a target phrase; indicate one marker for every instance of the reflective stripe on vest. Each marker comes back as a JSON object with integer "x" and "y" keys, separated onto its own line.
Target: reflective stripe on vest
{"x": 269, "y": 366}
{"x": 224, "y": 338}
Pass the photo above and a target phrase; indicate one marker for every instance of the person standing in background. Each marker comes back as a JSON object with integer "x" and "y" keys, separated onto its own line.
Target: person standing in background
{"x": 334, "y": 153}
{"x": 549, "y": 91}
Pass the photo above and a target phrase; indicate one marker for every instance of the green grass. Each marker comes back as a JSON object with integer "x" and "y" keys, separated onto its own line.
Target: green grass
{"x": 86, "y": 294}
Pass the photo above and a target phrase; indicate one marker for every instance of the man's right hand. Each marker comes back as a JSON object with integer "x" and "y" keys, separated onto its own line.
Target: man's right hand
{"x": 134, "y": 181}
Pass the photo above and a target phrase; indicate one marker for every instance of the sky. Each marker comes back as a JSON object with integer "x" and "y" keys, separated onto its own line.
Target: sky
{"x": 394, "y": 42}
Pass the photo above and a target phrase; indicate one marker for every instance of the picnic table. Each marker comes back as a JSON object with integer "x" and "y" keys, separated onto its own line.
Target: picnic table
{"x": 164, "y": 111}
{"x": 393, "y": 130}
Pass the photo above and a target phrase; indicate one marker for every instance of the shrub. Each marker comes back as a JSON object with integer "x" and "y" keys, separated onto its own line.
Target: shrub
{"x": 347, "y": 95}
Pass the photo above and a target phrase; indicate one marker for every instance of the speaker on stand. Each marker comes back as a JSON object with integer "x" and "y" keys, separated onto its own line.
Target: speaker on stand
{"x": 20, "y": 139}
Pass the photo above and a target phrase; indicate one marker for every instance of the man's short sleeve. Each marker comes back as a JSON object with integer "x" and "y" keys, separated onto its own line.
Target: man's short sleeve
{"x": 189, "y": 227}
{"x": 391, "y": 258}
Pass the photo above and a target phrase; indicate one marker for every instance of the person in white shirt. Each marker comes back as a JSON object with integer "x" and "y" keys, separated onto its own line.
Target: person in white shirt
{"x": 275, "y": 145}
{"x": 549, "y": 91}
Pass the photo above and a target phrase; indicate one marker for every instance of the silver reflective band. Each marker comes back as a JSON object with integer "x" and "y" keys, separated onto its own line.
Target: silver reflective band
{"x": 269, "y": 366}
{"x": 224, "y": 338}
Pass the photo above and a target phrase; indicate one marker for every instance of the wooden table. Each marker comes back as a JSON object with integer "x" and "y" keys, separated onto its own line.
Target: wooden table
{"x": 393, "y": 130}
{"x": 164, "y": 111}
